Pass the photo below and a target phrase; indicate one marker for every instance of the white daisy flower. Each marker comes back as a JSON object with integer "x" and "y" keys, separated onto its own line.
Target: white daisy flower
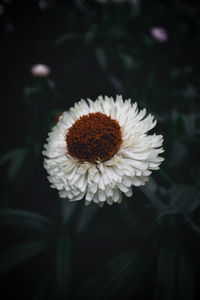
{"x": 99, "y": 149}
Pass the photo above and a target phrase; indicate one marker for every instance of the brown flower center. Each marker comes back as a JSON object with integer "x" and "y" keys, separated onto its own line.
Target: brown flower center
{"x": 94, "y": 137}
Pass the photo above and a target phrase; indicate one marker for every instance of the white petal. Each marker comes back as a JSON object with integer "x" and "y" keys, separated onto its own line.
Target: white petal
{"x": 101, "y": 195}
{"x": 79, "y": 197}
{"x": 92, "y": 188}
{"x": 122, "y": 187}
{"x": 96, "y": 198}
{"x": 137, "y": 181}
{"x": 108, "y": 191}
{"x": 129, "y": 193}
{"x": 89, "y": 196}
{"x": 116, "y": 195}
{"x": 109, "y": 201}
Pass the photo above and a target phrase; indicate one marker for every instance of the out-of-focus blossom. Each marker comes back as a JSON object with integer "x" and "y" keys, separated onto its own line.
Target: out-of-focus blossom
{"x": 159, "y": 34}
{"x": 40, "y": 70}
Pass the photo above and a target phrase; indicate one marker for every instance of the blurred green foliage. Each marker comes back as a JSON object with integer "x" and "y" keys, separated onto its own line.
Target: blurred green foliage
{"x": 147, "y": 247}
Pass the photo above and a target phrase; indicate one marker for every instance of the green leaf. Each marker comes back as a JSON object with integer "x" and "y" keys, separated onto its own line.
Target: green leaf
{"x": 120, "y": 275}
{"x": 63, "y": 267}
{"x": 26, "y": 220}
{"x": 174, "y": 274}
{"x": 16, "y": 255}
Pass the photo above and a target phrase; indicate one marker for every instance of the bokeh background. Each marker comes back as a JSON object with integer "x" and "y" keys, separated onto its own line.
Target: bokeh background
{"x": 148, "y": 247}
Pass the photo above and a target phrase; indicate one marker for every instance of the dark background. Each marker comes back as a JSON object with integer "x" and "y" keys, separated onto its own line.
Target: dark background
{"x": 147, "y": 247}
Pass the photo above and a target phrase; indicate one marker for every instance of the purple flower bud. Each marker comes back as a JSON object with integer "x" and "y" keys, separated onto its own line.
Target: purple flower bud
{"x": 159, "y": 34}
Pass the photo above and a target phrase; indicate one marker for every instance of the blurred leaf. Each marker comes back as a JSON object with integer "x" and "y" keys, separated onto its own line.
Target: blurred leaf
{"x": 192, "y": 226}
{"x": 121, "y": 275}
{"x": 117, "y": 84}
{"x": 190, "y": 124}
{"x": 68, "y": 210}
{"x": 174, "y": 115}
{"x": 190, "y": 92}
{"x": 101, "y": 58}
{"x": 128, "y": 61}
{"x": 32, "y": 91}
{"x": 90, "y": 34}
{"x": 16, "y": 255}
{"x": 179, "y": 152}
{"x": 65, "y": 38}
{"x": 178, "y": 72}
{"x": 174, "y": 274}
{"x": 184, "y": 199}
{"x": 115, "y": 32}
{"x": 86, "y": 215}
{"x": 63, "y": 267}
{"x": 26, "y": 220}
{"x": 150, "y": 191}
{"x": 15, "y": 158}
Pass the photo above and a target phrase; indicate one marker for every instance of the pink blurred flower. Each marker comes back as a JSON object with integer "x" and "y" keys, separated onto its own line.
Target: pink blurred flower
{"x": 159, "y": 34}
{"x": 40, "y": 70}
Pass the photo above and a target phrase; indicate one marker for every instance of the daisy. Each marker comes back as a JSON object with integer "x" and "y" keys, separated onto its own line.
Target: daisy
{"x": 100, "y": 149}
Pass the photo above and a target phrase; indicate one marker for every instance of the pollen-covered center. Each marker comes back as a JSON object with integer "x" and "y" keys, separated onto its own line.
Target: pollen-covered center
{"x": 94, "y": 137}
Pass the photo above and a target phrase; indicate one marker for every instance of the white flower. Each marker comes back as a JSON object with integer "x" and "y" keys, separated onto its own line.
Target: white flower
{"x": 40, "y": 70}
{"x": 99, "y": 149}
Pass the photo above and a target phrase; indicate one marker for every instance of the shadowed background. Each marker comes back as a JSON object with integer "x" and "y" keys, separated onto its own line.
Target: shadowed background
{"x": 147, "y": 247}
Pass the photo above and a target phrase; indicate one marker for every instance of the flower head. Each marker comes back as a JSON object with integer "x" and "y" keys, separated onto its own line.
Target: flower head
{"x": 159, "y": 34}
{"x": 99, "y": 149}
{"x": 40, "y": 70}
